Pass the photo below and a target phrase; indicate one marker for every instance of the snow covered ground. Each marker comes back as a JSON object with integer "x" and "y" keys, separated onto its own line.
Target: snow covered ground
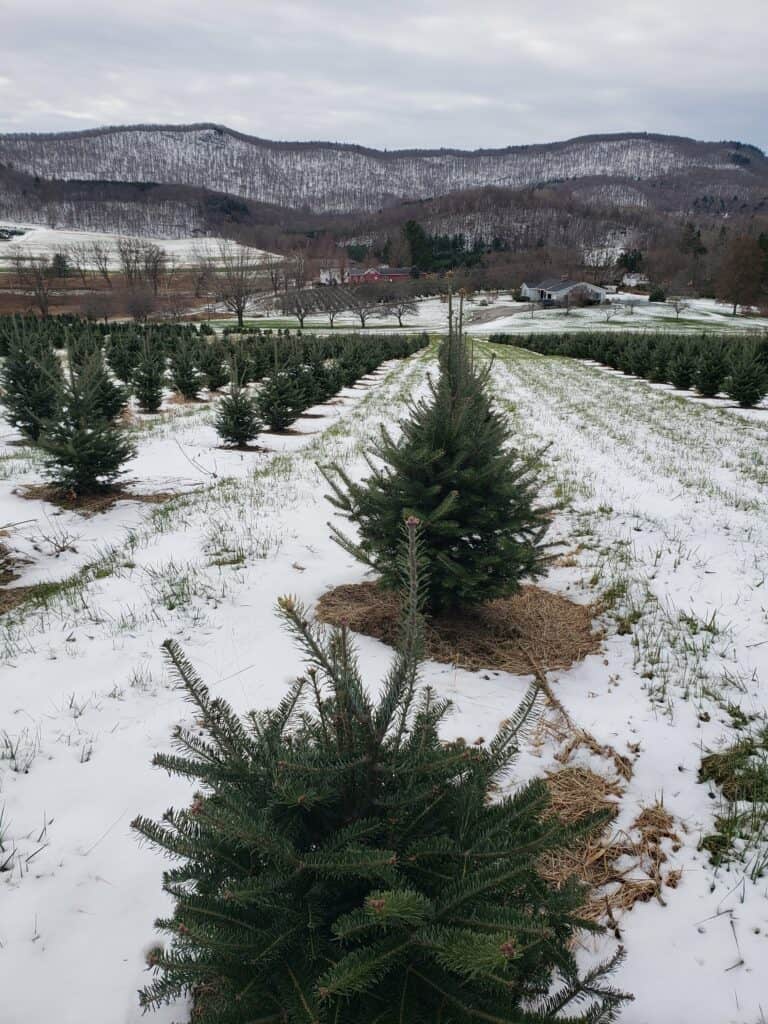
{"x": 43, "y": 241}
{"x": 666, "y": 508}
{"x": 634, "y": 313}
{"x": 627, "y": 311}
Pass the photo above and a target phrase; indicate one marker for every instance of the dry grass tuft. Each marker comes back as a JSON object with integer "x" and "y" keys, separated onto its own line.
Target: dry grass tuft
{"x": 577, "y": 792}
{"x": 618, "y": 870}
{"x": 509, "y": 633}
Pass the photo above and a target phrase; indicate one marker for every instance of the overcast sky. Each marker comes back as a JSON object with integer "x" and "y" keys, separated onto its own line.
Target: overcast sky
{"x": 398, "y": 73}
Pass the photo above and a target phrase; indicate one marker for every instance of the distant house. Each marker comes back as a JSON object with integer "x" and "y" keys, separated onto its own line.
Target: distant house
{"x": 382, "y": 273}
{"x": 560, "y": 289}
{"x": 338, "y": 274}
{"x": 634, "y": 280}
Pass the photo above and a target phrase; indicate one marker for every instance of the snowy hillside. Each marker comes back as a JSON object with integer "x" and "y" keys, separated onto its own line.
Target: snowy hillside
{"x": 329, "y": 177}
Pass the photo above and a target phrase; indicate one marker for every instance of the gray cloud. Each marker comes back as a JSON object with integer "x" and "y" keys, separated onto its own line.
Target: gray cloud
{"x": 397, "y": 75}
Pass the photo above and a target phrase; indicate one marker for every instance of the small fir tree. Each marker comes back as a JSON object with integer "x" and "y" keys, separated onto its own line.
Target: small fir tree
{"x": 31, "y": 379}
{"x": 454, "y": 467}
{"x": 711, "y": 368}
{"x": 185, "y": 368}
{"x": 681, "y": 368}
{"x": 281, "y": 399}
{"x": 110, "y": 397}
{"x": 123, "y": 352}
{"x": 343, "y": 864}
{"x": 149, "y": 376}
{"x": 747, "y": 381}
{"x": 212, "y": 362}
{"x": 237, "y": 417}
{"x": 85, "y": 451}
{"x": 660, "y": 359}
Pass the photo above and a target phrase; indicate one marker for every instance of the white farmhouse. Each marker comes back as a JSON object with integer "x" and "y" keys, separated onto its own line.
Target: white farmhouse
{"x": 559, "y": 289}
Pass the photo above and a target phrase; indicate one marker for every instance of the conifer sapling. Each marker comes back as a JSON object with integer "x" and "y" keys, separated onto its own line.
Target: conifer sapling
{"x": 149, "y": 376}
{"x": 237, "y": 417}
{"x": 456, "y": 469}
{"x": 31, "y": 379}
{"x": 341, "y": 863}
{"x": 85, "y": 451}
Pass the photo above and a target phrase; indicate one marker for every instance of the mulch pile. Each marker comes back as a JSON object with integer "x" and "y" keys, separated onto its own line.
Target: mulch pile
{"x": 533, "y": 626}
{"x": 89, "y": 504}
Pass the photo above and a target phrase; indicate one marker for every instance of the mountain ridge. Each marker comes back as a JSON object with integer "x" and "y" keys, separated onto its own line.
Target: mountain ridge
{"x": 328, "y": 177}
{"x": 359, "y": 147}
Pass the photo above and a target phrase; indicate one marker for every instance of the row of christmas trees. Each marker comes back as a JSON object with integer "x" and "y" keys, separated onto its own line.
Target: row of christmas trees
{"x": 69, "y": 408}
{"x": 736, "y": 366}
{"x": 341, "y": 862}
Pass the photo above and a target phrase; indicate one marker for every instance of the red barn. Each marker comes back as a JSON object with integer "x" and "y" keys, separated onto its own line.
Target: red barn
{"x": 383, "y": 273}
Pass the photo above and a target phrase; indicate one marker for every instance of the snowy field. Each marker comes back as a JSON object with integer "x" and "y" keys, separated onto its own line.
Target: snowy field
{"x": 41, "y": 241}
{"x": 486, "y": 315}
{"x": 665, "y": 509}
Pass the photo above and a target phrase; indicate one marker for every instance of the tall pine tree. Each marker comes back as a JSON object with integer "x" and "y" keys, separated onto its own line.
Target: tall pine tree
{"x": 344, "y": 864}
{"x": 455, "y": 468}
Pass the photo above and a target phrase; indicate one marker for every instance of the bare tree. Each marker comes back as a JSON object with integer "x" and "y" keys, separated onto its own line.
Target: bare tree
{"x": 401, "y": 307}
{"x": 78, "y": 254}
{"x": 133, "y": 254}
{"x": 101, "y": 305}
{"x": 298, "y": 303}
{"x": 679, "y": 305}
{"x": 332, "y": 300}
{"x": 100, "y": 255}
{"x": 274, "y": 267}
{"x": 364, "y": 306}
{"x": 141, "y": 302}
{"x": 155, "y": 265}
{"x": 34, "y": 275}
{"x": 236, "y": 276}
{"x": 298, "y": 266}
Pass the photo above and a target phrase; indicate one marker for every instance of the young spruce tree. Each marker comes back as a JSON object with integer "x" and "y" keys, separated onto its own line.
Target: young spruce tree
{"x": 343, "y": 864}
{"x": 281, "y": 399}
{"x": 85, "y": 450}
{"x": 30, "y": 379}
{"x": 454, "y": 468}
{"x": 711, "y": 368}
{"x": 185, "y": 368}
{"x": 212, "y": 359}
{"x": 748, "y": 379}
{"x": 149, "y": 376}
{"x": 237, "y": 416}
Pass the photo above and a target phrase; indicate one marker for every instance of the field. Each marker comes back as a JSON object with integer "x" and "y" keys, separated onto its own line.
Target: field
{"x": 662, "y": 524}
{"x": 498, "y": 312}
{"x": 43, "y": 241}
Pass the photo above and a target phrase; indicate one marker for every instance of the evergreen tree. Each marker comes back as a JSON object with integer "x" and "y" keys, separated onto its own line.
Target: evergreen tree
{"x": 711, "y": 368}
{"x": 682, "y": 367}
{"x": 30, "y": 379}
{"x": 212, "y": 362}
{"x": 237, "y": 417}
{"x": 85, "y": 451}
{"x": 185, "y": 368}
{"x": 280, "y": 401}
{"x": 110, "y": 397}
{"x": 123, "y": 352}
{"x": 660, "y": 358}
{"x": 747, "y": 382}
{"x": 453, "y": 467}
{"x": 81, "y": 345}
{"x": 343, "y": 864}
{"x": 149, "y": 376}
